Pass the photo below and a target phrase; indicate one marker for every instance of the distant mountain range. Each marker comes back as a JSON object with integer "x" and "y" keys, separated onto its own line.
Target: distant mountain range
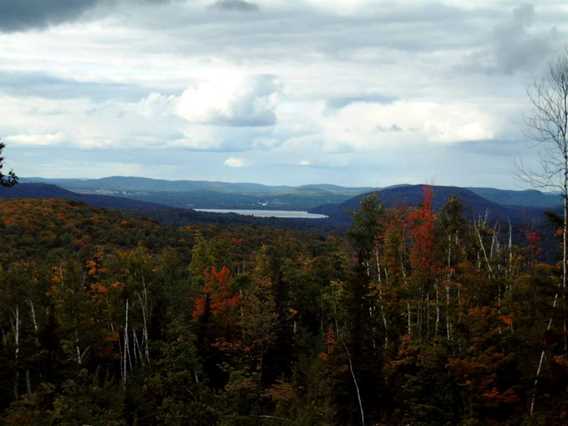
{"x": 143, "y": 197}
{"x": 527, "y": 198}
{"x": 173, "y": 201}
{"x": 223, "y": 195}
{"x": 161, "y": 213}
{"x": 212, "y": 195}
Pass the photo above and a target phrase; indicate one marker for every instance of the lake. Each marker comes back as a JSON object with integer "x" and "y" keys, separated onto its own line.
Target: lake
{"x": 283, "y": 214}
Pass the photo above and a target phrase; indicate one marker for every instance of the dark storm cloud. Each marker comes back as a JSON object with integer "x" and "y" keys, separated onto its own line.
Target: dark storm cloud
{"x": 516, "y": 44}
{"x": 19, "y": 15}
{"x": 516, "y": 47}
{"x": 23, "y": 15}
{"x": 41, "y": 85}
{"x": 236, "y": 5}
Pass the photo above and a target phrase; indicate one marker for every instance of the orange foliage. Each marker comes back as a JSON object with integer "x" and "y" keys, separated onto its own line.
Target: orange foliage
{"x": 91, "y": 267}
{"x": 99, "y": 289}
{"x": 507, "y": 320}
{"x": 281, "y": 391}
{"x": 218, "y": 290}
{"x": 199, "y": 307}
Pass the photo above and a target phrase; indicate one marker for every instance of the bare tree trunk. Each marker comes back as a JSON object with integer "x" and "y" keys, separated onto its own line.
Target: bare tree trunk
{"x": 565, "y": 249}
{"x": 17, "y": 350}
{"x": 126, "y": 351}
{"x": 409, "y": 319}
{"x": 489, "y": 268}
{"x": 427, "y": 315}
{"x": 385, "y": 324}
{"x": 361, "y": 412}
{"x": 541, "y": 361}
{"x": 448, "y": 322}
{"x": 437, "y": 326}
{"x": 510, "y": 249}
{"x": 34, "y": 321}
{"x": 77, "y": 348}
{"x": 378, "y": 262}
{"x": 138, "y": 357}
{"x": 144, "y": 307}
{"x": 449, "y": 254}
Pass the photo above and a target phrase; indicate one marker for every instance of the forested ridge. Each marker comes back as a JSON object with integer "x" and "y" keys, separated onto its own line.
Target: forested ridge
{"x": 413, "y": 317}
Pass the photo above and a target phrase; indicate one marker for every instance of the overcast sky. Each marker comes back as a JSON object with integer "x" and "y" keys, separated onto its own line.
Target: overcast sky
{"x": 353, "y": 92}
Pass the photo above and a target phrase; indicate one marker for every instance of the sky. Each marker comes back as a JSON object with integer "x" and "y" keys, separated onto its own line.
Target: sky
{"x": 349, "y": 92}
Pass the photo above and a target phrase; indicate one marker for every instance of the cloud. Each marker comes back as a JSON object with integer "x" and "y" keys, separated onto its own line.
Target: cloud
{"x": 516, "y": 44}
{"x": 364, "y": 88}
{"x": 235, "y": 5}
{"x": 340, "y": 102}
{"x": 231, "y": 100}
{"x": 236, "y": 162}
{"x": 157, "y": 105}
{"x": 376, "y": 127}
{"x": 36, "y": 139}
{"x": 45, "y": 85}
{"x": 26, "y": 14}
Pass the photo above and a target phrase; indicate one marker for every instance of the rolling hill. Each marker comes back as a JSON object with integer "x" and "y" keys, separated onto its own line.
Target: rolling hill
{"x": 412, "y": 196}
{"x": 212, "y": 195}
{"x": 158, "y": 212}
{"x": 43, "y": 191}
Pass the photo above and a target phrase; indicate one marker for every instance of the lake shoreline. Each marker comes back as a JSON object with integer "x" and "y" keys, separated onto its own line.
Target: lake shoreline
{"x": 281, "y": 214}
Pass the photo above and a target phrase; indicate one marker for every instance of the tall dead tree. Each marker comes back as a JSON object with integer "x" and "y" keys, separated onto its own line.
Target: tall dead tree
{"x": 548, "y": 126}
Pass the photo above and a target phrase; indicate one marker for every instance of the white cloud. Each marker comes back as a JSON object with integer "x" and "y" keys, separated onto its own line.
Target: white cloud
{"x": 231, "y": 99}
{"x": 368, "y": 126}
{"x": 157, "y": 105}
{"x": 36, "y": 139}
{"x": 236, "y": 162}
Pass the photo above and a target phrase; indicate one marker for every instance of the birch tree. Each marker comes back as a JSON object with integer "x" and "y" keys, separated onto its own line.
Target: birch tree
{"x": 548, "y": 126}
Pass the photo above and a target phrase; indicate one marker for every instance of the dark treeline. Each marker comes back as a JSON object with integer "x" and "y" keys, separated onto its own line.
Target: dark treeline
{"x": 413, "y": 317}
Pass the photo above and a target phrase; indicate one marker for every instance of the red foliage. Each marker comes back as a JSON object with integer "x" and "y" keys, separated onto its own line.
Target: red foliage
{"x": 533, "y": 239}
{"x": 218, "y": 290}
{"x": 421, "y": 223}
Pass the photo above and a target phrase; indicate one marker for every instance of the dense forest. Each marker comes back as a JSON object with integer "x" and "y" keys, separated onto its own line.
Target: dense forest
{"x": 413, "y": 317}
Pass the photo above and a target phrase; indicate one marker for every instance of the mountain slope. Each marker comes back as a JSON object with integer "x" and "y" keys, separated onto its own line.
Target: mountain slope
{"x": 526, "y": 198}
{"x": 42, "y": 190}
{"x": 412, "y": 196}
{"x": 163, "y": 214}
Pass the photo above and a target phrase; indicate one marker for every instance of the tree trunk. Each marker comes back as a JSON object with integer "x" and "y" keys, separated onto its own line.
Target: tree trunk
{"x": 437, "y": 327}
{"x": 448, "y": 322}
{"x": 409, "y": 319}
{"x": 361, "y": 411}
{"x": 125, "y": 354}
{"x": 565, "y": 251}
{"x": 541, "y": 361}
{"x": 17, "y": 350}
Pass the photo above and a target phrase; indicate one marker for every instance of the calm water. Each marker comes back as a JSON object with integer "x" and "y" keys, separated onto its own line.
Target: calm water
{"x": 285, "y": 214}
